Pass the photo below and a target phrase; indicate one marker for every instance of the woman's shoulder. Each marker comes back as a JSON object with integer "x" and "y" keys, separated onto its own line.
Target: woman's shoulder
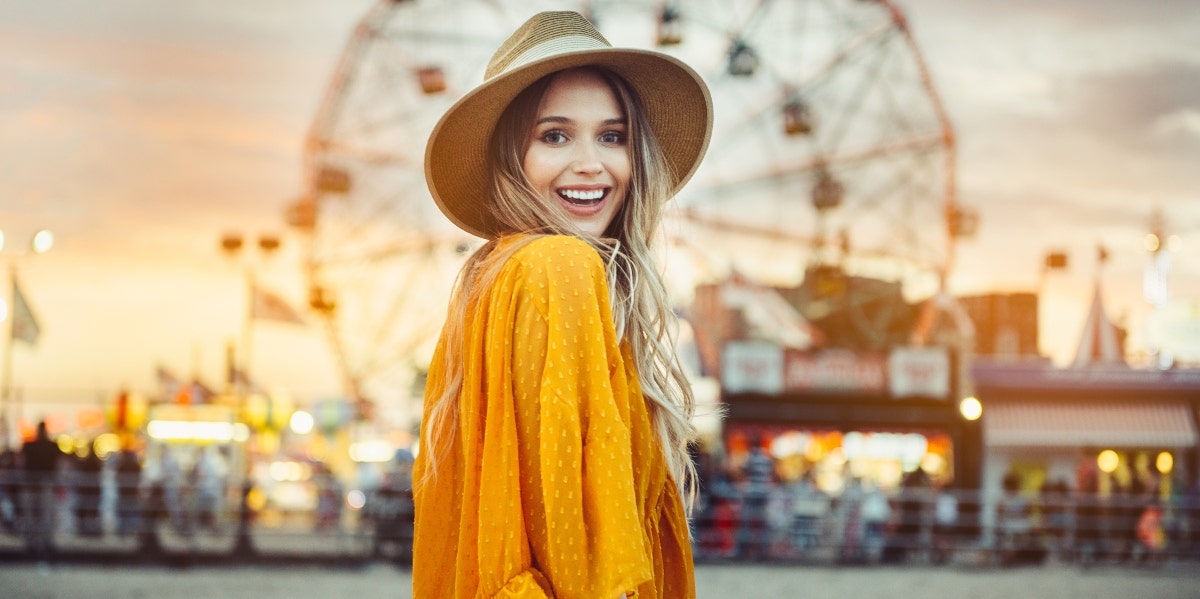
{"x": 558, "y": 254}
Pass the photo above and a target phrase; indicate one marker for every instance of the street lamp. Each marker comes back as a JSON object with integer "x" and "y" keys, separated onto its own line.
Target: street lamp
{"x": 232, "y": 245}
{"x": 21, "y": 324}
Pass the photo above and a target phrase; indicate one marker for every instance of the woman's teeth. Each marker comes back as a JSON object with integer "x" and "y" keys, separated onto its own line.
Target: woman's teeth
{"x": 577, "y": 196}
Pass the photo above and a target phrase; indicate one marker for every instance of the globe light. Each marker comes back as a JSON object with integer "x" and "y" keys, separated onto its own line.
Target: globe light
{"x": 1108, "y": 461}
{"x": 1151, "y": 242}
{"x": 301, "y": 423}
{"x": 42, "y": 241}
{"x": 1165, "y": 462}
{"x": 970, "y": 408}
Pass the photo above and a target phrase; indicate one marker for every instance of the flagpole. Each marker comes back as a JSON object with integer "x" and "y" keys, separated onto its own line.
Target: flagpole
{"x": 248, "y": 323}
{"x": 6, "y": 382}
{"x": 41, "y": 243}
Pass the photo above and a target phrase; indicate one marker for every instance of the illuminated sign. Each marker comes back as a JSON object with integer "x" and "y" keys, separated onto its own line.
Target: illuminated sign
{"x": 919, "y": 372}
{"x": 752, "y": 367}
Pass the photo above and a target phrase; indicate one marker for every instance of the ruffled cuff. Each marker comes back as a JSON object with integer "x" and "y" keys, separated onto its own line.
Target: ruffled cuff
{"x": 529, "y": 584}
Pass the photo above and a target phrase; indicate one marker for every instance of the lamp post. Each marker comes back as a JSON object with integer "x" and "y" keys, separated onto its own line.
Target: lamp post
{"x": 232, "y": 245}
{"x": 13, "y": 306}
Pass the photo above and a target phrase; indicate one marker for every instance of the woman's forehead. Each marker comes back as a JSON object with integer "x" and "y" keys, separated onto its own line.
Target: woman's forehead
{"x": 579, "y": 92}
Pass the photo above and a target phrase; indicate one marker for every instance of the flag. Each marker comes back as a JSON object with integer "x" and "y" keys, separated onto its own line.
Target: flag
{"x": 266, "y": 305}
{"x": 24, "y": 325}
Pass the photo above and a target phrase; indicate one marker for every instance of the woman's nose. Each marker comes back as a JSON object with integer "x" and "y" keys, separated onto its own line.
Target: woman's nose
{"x": 586, "y": 160}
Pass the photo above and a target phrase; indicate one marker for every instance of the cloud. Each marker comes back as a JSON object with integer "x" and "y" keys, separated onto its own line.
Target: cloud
{"x": 1181, "y": 123}
{"x": 1134, "y": 98}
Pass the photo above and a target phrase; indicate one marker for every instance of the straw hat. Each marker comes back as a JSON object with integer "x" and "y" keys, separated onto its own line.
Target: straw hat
{"x": 675, "y": 99}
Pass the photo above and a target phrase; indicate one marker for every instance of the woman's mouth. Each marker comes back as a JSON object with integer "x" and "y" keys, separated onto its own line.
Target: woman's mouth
{"x": 583, "y": 197}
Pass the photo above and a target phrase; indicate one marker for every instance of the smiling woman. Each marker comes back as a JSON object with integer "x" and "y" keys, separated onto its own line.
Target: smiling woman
{"x": 557, "y": 417}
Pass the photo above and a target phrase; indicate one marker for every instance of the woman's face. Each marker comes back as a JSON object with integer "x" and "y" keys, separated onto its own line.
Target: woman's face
{"x": 577, "y": 156}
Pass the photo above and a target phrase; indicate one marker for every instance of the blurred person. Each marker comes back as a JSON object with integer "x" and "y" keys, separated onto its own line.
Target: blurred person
{"x": 810, "y": 508}
{"x": 876, "y": 516}
{"x": 848, "y": 515}
{"x": 1056, "y": 516}
{"x": 87, "y": 493}
{"x": 945, "y": 524}
{"x": 1090, "y": 520}
{"x": 779, "y": 520}
{"x": 171, "y": 483}
{"x": 913, "y": 503}
{"x": 207, "y": 482}
{"x": 41, "y": 458}
{"x": 10, "y": 490}
{"x": 392, "y": 509}
{"x": 1125, "y": 506}
{"x": 758, "y": 476}
{"x": 557, "y": 415}
{"x": 154, "y": 512}
{"x": 1151, "y": 537}
{"x": 329, "y": 497}
{"x": 719, "y": 530}
{"x": 129, "y": 481}
{"x": 1015, "y": 521}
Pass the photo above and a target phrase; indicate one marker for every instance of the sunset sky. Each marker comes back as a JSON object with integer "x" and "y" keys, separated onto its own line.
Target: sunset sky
{"x": 140, "y": 131}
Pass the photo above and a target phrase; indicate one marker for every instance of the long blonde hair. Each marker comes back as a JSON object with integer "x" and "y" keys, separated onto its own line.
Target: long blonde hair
{"x": 641, "y": 308}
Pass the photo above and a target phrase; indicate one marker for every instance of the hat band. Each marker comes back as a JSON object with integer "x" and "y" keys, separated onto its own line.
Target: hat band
{"x": 558, "y": 45}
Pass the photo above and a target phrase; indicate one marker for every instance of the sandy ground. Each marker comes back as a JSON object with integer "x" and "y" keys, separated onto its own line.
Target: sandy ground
{"x": 1175, "y": 581}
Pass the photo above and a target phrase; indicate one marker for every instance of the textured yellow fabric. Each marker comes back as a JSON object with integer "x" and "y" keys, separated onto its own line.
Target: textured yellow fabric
{"x": 555, "y": 484}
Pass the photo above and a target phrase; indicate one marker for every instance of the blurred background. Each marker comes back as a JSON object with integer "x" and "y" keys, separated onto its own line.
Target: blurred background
{"x": 937, "y": 277}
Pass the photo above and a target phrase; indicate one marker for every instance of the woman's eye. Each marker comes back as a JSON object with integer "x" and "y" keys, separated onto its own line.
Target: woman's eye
{"x": 613, "y": 137}
{"x": 554, "y": 137}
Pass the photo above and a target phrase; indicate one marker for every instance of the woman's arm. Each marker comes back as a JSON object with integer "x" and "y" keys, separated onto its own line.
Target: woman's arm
{"x": 571, "y": 402}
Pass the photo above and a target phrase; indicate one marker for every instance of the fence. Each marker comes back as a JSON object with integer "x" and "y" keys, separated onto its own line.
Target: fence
{"x": 86, "y": 514}
{"x": 934, "y": 527}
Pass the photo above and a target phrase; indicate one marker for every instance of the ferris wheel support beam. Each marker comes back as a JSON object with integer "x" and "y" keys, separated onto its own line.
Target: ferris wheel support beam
{"x": 948, "y": 138}
{"x": 343, "y": 77}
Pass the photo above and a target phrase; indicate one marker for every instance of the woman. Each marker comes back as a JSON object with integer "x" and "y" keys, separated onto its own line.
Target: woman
{"x": 556, "y": 424}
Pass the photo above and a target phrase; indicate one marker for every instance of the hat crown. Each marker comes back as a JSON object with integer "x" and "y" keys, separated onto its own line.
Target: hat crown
{"x": 545, "y": 34}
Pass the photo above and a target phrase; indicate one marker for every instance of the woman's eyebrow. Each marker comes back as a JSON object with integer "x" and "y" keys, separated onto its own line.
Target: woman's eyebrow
{"x": 564, "y": 120}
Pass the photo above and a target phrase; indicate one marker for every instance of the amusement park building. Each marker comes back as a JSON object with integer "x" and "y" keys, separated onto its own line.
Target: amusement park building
{"x": 1040, "y": 422}
{"x": 829, "y": 398}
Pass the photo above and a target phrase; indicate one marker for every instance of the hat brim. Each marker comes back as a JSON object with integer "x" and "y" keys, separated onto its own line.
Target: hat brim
{"x": 676, "y": 101}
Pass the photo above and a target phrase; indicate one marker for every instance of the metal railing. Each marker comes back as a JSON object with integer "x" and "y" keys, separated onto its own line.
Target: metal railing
{"x": 787, "y": 523}
{"x": 110, "y": 514}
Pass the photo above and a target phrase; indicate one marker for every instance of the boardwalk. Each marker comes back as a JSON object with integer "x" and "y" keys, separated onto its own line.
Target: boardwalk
{"x": 1172, "y": 581}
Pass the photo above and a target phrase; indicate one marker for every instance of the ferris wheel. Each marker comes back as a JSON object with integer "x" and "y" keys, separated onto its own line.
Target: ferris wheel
{"x": 830, "y": 147}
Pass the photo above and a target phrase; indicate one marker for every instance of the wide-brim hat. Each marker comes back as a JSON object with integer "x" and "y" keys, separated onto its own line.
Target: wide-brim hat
{"x": 675, "y": 100}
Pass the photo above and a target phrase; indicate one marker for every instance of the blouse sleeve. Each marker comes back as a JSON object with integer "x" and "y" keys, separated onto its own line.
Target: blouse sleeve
{"x": 571, "y": 409}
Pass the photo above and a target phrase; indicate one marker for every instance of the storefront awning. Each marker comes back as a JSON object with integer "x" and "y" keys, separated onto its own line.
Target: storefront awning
{"x": 1078, "y": 424}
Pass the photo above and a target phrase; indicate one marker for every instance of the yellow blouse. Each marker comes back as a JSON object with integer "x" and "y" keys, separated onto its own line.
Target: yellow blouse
{"x": 555, "y": 484}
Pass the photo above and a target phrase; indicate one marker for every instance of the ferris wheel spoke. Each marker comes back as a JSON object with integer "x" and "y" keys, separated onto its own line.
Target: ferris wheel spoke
{"x": 728, "y": 189}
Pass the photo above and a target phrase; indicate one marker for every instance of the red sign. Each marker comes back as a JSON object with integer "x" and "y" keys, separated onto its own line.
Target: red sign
{"x": 836, "y": 371}
{"x": 920, "y": 372}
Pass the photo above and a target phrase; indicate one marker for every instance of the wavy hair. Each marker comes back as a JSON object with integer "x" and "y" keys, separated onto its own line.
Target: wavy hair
{"x": 641, "y": 308}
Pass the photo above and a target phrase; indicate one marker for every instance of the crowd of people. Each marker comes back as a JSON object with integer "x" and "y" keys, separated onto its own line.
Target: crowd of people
{"x": 44, "y": 491}
{"x": 141, "y": 493}
{"x": 749, "y": 512}
{"x": 743, "y": 512}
